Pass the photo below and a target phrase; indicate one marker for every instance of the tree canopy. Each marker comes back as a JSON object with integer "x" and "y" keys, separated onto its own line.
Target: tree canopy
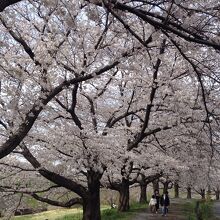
{"x": 108, "y": 94}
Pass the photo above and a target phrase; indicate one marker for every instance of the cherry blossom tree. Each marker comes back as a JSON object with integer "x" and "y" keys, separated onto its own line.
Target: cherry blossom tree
{"x": 106, "y": 92}
{"x": 49, "y": 62}
{"x": 188, "y": 20}
{"x": 43, "y": 63}
{"x": 171, "y": 19}
{"x": 156, "y": 12}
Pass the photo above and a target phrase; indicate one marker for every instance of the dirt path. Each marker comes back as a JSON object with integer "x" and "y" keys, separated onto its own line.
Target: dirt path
{"x": 216, "y": 210}
{"x": 175, "y": 213}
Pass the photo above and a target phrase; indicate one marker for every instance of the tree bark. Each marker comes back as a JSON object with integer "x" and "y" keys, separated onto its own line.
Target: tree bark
{"x": 156, "y": 185}
{"x": 165, "y": 187}
{"x": 176, "y": 190}
{"x": 217, "y": 193}
{"x": 124, "y": 196}
{"x": 91, "y": 205}
{"x": 143, "y": 193}
{"x": 189, "y": 193}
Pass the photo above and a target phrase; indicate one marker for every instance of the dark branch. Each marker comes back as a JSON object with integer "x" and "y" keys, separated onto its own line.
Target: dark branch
{"x": 15, "y": 139}
{"x": 54, "y": 177}
{"x": 5, "y": 3}
{"x": 68, "y": 204}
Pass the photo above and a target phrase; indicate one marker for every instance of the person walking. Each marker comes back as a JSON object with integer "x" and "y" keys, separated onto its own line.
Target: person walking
{"x": 157, "y": 197}
{"x": 165, "y": 202}
{"x": 152, "y": 204}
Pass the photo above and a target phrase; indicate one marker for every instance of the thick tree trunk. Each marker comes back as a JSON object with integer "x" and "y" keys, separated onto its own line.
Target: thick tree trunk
{"x": 143, "y": 193}
{"x": 91, "y": 205}
{"x": 189, "y": 193}
{"x": 217, "y": 193}
{"x": 176, "y": 190}
{"x": 156, "y": 185}
{"x": 124, "y": 196}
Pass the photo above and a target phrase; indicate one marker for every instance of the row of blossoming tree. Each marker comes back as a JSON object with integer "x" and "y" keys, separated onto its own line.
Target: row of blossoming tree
{"x": 107, "y": 94}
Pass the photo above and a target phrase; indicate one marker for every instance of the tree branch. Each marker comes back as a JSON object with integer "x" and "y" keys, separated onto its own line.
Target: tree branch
{"x": 15, "y": 139}
{"x": 67, "y": 204}
{"x": 140, "y": 136}
{"x": 5, "y": 3}
{"x": 54, "y": 177}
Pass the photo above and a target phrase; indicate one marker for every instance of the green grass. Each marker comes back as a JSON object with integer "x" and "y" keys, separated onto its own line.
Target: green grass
{"x": 52, "y": 215}
{"x": 76, "y": 214}
{"x": 205, "y": 208}
{"x": 189, "y": 208}
{"x": 113, "y": 214}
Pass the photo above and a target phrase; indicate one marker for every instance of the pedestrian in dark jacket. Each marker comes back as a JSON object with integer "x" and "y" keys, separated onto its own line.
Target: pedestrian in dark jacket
{"x": 165, "y": 202}
{"x": 157, "y": 196}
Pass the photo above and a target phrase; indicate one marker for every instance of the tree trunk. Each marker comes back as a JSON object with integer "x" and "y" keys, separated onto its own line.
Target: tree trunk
{"x": 91, "y": 205}
{"x": 176, "y": 190}
{"x": 165, "y": 187}
{"x": 189, "y": 193}
{"x": 217, "y": 192}
{"x": 124, "y": 196}
{"x": 202, "y": 193}
{"x": 208, "y": 194}
{"x": 143, "y": 193}
{"x": 156, "y": 185}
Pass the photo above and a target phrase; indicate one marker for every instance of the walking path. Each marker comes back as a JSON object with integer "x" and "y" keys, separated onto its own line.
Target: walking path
{"x": 216, "y": 209}
{"x": 175, "y": 213}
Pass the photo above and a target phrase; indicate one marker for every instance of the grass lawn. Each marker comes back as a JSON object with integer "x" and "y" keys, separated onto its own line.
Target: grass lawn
{"x": 76, "y": 214}
{"x": 52, "y": 215}
{"x": 205, "y": 208}
{"x": 113, "y": 214}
